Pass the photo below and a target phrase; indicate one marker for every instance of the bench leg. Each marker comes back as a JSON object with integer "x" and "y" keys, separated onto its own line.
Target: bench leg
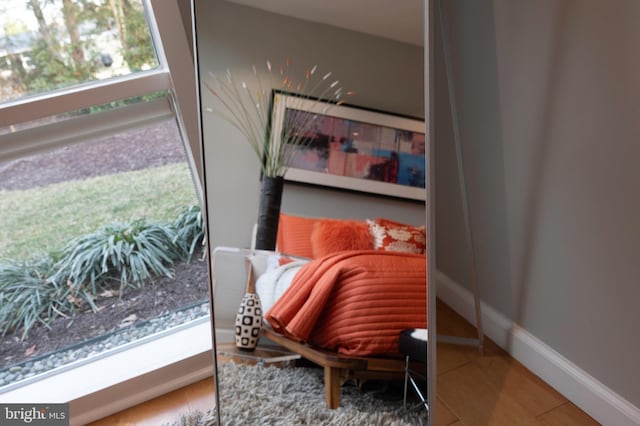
{"x": 332, "y": 387}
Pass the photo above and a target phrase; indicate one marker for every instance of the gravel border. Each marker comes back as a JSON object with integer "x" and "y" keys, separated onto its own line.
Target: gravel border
{"x": 34, "y": 369}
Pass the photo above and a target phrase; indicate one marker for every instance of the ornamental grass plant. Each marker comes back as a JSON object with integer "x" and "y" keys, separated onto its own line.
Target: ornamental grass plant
{"x": 127, "y": 253}
{"x": 109, "y": 261}
{"x": 190, "y": 234}
{"x": 29, "y": 297}
{"x": 246, "y": 104}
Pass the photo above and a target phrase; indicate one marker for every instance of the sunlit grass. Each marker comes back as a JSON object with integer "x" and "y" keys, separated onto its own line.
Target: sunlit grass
{"x": 43, "y": 220}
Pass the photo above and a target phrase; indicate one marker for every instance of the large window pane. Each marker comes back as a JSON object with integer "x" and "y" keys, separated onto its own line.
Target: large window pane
{"x": 50, "y": 199}
{"x": 51, "y": 44}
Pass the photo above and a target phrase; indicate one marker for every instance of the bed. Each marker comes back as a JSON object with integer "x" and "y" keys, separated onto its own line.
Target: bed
{"x": 339, "y": 292}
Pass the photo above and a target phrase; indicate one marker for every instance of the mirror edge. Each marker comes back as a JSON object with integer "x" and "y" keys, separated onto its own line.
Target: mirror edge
{"x": 205, "y": 208}
{"x": 429, "y": 8}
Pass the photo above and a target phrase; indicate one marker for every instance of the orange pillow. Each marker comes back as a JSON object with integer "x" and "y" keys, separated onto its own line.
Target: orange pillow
{"x": 394, "y": 236}
{"x": 332, "y": 235}
{"x": 294, "y": 235}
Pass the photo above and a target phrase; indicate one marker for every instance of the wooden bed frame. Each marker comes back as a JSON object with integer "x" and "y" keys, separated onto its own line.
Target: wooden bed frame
{"x": 337, "y": 367}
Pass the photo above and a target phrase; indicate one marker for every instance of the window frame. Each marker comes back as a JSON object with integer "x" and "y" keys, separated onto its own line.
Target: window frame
{"x": 84, "y": 95}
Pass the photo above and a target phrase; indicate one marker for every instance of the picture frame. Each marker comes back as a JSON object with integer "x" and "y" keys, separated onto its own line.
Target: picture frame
{"x": 351, "y": 148}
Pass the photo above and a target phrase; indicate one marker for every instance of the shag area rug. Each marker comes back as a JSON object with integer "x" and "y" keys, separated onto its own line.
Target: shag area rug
{"x": 271, "y": 396}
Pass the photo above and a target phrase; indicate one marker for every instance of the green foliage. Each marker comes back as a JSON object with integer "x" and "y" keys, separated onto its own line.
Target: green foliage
{"x": 127, "y": 253}
{"x": 53, "y": 68}
{"x": 189, "y": 227}
{"x": 138, "y": 51}
{"x": 41, "y": 289}
{"x": 28, "y": 296}
{"x": 65, "y": 51}
{"x": 121, "y": 103}
{"x": 15, "y": 27}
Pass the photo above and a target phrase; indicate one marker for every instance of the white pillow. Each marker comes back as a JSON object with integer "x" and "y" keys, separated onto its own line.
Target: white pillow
{"x": 273, "y": 283}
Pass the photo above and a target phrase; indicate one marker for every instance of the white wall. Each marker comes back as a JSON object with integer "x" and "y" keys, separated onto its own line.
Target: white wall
{"x": 386, "y": 75}
{"x": 548, "y": 97}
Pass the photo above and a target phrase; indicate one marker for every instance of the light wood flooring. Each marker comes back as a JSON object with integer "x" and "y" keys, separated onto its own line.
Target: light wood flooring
{"x": 492, "y": 389}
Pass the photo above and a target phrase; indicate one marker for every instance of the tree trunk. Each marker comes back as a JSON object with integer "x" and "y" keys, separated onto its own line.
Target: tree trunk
{"x": 118, "y": 13}
{"x": 70, "y": 14}
{"x": 269, "y": 212}
{"x": 49, "y": 40}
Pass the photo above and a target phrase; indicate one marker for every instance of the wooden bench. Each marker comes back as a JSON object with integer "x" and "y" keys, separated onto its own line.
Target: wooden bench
{"x": 337, "y": 367}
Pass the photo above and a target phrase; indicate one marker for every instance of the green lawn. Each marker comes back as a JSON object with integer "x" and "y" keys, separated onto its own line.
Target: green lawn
{"x": 44, "y": 219}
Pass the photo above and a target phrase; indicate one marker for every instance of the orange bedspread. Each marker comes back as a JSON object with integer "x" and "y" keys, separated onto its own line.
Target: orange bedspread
{"x": 355, "y": 303}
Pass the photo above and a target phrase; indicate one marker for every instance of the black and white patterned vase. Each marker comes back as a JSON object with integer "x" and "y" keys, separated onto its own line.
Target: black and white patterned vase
{"x": 248, "y": 322}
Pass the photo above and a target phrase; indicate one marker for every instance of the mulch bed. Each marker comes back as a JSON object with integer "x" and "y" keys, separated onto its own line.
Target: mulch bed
{"x": 135, "y": 150}
{"x": 139, "y": 149}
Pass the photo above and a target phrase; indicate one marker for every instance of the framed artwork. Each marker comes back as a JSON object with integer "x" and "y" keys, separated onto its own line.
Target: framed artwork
{"x": 350, "y": 148}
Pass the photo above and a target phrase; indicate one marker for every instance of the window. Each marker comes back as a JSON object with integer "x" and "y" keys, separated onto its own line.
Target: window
{"x": 77, "y": 74}
{"x": 48, "y": 45}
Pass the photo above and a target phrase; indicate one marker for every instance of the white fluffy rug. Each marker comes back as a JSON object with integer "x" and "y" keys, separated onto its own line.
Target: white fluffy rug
{"x": 257, "y": 395}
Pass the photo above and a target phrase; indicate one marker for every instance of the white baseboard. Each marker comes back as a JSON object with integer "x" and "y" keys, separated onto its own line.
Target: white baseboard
{"x": 585, "y": 391}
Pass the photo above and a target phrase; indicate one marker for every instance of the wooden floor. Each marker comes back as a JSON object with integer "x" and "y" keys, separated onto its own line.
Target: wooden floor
{"x": 492, "y": 389}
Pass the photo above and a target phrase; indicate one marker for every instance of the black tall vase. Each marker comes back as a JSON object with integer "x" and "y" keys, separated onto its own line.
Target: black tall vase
{"x": 269, "y": 212}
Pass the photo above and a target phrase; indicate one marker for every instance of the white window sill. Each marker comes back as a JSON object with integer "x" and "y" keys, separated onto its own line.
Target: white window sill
{"x": 125, "y": 378}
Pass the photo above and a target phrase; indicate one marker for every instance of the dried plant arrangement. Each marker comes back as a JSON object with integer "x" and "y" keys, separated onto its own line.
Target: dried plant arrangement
{"x": 247, "y": 106}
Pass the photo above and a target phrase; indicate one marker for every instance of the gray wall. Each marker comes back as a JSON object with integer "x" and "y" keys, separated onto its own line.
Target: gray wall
{"x": 548, "y": 99}
{"x": 386, "y": 75}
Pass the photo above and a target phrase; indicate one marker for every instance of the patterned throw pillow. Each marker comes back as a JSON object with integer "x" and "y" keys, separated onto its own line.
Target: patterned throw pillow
{"x": 394, "y": 236}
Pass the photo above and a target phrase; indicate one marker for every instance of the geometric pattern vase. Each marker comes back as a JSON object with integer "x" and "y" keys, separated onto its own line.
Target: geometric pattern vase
{"x": 248, "y": 322}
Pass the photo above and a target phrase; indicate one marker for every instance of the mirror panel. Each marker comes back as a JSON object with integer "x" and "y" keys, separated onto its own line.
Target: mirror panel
{"x": 386, "y": 75}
